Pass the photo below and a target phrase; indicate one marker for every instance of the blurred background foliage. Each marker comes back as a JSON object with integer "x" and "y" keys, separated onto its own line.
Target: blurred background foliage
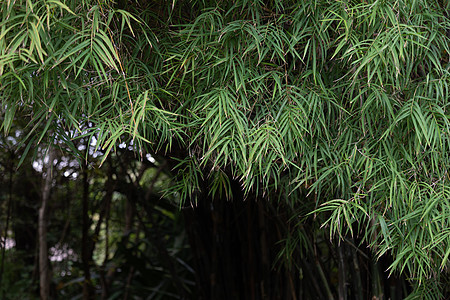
{"x": 130, "y": 246}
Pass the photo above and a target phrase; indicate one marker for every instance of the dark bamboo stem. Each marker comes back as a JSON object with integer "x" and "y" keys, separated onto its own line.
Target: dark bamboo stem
{"x": 356, "y": 274}
{"x": 342, "y": 289}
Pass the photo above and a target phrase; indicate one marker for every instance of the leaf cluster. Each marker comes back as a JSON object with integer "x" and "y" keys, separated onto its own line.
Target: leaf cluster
{"x": 346, "y": 101}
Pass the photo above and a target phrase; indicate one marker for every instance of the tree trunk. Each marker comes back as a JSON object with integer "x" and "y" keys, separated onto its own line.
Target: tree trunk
{"x": 85, "y": 239}
{"x": 44, "y": 265}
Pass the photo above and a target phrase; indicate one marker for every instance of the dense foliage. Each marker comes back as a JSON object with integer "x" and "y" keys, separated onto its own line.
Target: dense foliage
{"x": 335, "y": 109}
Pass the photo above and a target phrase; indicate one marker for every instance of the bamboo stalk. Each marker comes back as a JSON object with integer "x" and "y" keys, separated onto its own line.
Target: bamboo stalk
{"x": 377, "y": 289}
{"x": 342, "y": 290}
{"x": 356, "y": 273}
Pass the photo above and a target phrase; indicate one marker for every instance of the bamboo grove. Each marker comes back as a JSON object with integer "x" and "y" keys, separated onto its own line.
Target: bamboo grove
{"x": 335, "y": 109}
